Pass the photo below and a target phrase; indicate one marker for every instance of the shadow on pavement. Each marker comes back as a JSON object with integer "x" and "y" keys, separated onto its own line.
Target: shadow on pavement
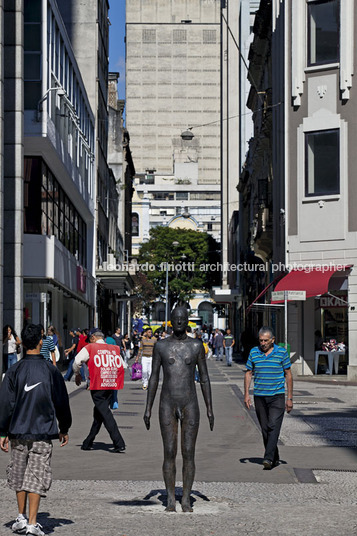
{"x": 162, "y": 497}
{"x": 48, "y": 522}
{"x": 258, "y": 461}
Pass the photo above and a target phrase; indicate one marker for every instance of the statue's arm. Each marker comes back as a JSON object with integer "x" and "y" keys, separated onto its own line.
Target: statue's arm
{"x": 153, "y": 384}
{"x": 205, "y": 385}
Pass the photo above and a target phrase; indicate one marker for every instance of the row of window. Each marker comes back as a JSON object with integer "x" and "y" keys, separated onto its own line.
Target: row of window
{"x": 322, "y": 148}
{"x": 49, "y": 211}
{"x": 179, "y": 36}
{"x": 135, "y": 231}
{"x": 60, "y": 66}
{"x": 185, "y": 196}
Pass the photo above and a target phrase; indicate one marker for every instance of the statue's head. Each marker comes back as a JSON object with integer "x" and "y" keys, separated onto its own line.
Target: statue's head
{"x": 179, "y": 319}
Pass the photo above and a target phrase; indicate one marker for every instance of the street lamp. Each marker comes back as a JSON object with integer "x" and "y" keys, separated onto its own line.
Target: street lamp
{"x": 175, "y": 244}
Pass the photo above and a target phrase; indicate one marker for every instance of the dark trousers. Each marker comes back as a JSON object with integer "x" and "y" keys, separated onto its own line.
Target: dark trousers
{"x": 270, "y": 413}
{"x": 103, "y": 415}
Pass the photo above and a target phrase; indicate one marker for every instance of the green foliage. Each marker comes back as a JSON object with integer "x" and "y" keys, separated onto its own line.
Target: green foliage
{"x": 185, "y": 261}
{"x": 144, "y": 294}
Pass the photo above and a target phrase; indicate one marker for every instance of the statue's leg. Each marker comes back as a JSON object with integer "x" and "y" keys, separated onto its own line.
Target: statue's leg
{"x": 168, "y": 425}
{"x": 190, "y": 423}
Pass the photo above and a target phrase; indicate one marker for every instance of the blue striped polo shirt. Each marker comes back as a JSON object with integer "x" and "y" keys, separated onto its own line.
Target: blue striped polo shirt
{"x": 268, "y": 370}
{"x": 48, "y": 346}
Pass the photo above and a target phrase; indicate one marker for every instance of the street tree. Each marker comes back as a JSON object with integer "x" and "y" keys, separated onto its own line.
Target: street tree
{"x": 188, "y": 254}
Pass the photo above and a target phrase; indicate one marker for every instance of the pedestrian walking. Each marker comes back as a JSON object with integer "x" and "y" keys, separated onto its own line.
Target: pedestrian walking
{"x": 145, "y": 353}
{"x": 218, "y": 345}
{"x": 228, "y": 343}
{"x": 33, "y": 396}
{"x": 109, "y": 339}
{"x": 270, "y": 366}
{"x": 117, "y": 336}
{"x": 106, "y": 373}
{"x": 48, "y": 347}
{"x": 11, "y": 346}
{"x": 136, "y": 342}
{"x": 126, "y": 345}
{"x": 71, "y": 352}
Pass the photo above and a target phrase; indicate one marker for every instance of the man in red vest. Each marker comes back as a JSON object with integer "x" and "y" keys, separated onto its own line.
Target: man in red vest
{"x": 106, "y": 372}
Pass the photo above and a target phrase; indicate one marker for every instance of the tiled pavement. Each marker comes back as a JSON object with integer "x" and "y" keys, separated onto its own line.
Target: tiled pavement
{"x": 314, "y": 492}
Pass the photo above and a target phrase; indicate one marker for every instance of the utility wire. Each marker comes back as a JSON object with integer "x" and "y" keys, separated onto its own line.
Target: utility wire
{"x": 238, "y": 115}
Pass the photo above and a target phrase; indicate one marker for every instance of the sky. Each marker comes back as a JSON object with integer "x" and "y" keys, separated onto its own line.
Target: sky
{"x": 116, "y": 42}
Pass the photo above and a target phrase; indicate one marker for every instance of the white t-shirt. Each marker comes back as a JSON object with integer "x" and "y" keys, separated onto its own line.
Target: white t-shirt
{"x": 11, "y": 345}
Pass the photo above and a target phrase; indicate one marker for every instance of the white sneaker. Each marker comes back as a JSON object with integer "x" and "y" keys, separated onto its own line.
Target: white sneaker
{"x": 35, "y": 529}
{"x": 20, "y": 524}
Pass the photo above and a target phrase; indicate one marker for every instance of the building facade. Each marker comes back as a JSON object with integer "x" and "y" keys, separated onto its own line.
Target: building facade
{"x": 172, "y": 84}
{"x": 84, "y": 19}
{"x": 47, "y": 173}
{"x": 59, "y": 177}
{"x": 313, "y": 190}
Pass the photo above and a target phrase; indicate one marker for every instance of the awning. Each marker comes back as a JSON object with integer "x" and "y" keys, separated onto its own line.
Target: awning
{"x": 263, "y": 292}
{"x": 314, "y": 280}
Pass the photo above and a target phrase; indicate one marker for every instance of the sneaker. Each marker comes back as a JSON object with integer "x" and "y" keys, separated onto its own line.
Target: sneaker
{"x": 145, "y": 387}
{"x": 35, "y": 529}
{"x": 20, "y": 524}
{"x": 115, "y": 405}
{"x": 267, "y": 465}
{"x": 118, "y": 449}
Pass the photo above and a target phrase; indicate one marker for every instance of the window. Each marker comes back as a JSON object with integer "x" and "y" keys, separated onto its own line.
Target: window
{"x": 149, "y": 36}
{"x": 179, "y": 36}
{"x": 48, "y": 210}
{"x": 32, "y": 53}
{"x": 162, "y": 196}
{"x": 209, "y": 37}
{"x": 182, "y": 196}
{"x": 135, "y": 224}
{"x": 323, "y": 32}
{"x": 322, "y": 171}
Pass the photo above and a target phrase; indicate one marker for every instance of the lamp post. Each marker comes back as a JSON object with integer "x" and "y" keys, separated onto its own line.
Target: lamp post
{"x": 175, "y": 244}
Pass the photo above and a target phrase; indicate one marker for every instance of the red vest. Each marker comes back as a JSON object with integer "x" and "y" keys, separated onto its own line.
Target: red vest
{"x": 106, "y": 367}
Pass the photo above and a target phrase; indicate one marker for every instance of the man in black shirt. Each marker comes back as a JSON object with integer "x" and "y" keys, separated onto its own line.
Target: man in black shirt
{"x": 118, "y": 337}
{"x": 33, "y": 396}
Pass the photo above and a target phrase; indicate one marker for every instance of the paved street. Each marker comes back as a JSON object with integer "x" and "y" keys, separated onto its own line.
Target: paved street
{"x": 313, "y": 492}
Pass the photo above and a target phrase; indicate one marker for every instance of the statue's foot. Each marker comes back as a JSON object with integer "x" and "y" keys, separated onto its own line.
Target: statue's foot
{"x": 186, "y": 506}
{"x": 170, "y": 508}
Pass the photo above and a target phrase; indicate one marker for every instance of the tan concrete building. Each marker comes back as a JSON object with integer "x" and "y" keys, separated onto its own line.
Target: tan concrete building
{"x": 173, "y": 83}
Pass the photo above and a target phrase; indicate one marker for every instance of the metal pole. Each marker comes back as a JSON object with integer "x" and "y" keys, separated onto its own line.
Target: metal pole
{"x": 167, "y": 295}
{"x": 286, "y": 318}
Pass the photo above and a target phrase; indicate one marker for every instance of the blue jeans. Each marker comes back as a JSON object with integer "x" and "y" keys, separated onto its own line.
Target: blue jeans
{"x": 219, "y": 353}
{"x": 229, "y": 353}
{"x": 69, "y": 372}
{"x": 11, "y": 360}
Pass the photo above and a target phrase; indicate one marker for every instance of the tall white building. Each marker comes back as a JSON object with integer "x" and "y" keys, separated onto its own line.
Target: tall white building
{"x": 172, "y": 84}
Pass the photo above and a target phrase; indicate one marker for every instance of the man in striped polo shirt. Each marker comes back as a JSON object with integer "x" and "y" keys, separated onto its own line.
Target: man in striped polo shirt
{"x": 271, "y": 367}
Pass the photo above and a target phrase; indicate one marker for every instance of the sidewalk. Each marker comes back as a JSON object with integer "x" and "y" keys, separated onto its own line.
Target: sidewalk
{"x": 313, "y": 492}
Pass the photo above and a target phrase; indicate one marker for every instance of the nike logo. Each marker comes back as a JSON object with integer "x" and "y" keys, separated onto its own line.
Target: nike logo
{"x": 30, "y": 387}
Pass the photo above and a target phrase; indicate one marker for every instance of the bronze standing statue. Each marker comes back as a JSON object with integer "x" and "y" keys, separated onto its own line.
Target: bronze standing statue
{"x": 178, "y": 356}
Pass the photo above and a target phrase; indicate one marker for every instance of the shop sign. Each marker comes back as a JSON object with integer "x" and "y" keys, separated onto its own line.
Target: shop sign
{"x": 333, "y": 301}
{"x": 291, "y": 295}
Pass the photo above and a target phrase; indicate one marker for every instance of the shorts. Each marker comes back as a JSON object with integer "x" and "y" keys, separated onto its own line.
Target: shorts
{"x": 30, "y": 466}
